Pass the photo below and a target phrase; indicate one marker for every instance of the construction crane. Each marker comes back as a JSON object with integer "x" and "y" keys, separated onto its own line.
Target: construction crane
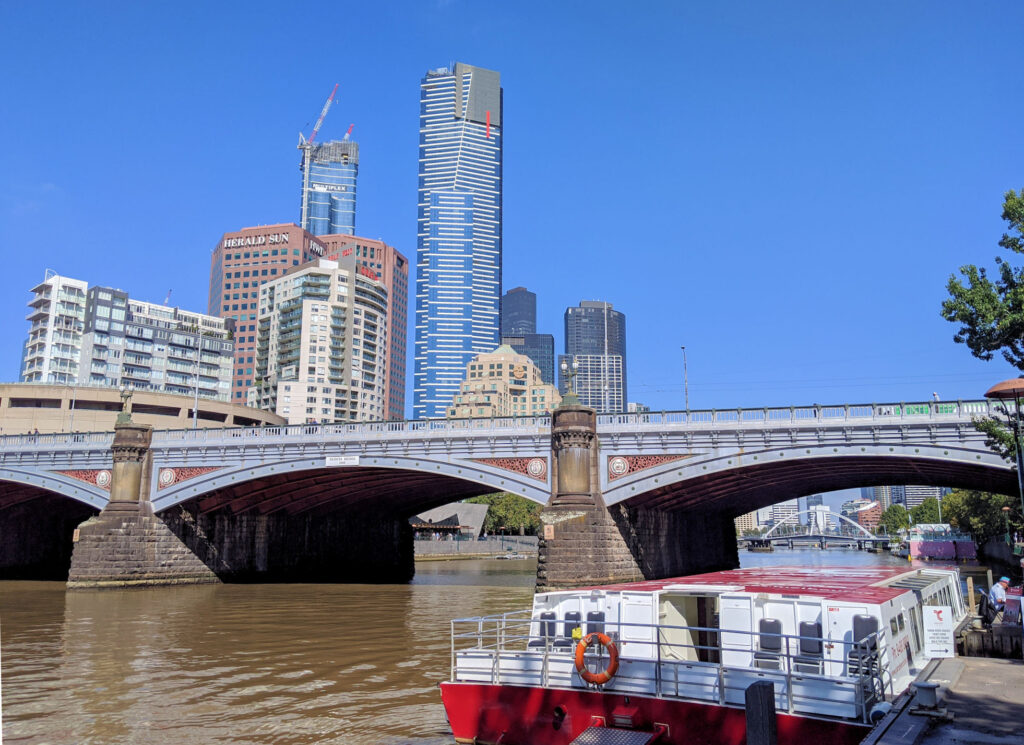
{"x": 348, "y": 133}
{"x": 306, "y": 146}
{"x": 167, "y": 299}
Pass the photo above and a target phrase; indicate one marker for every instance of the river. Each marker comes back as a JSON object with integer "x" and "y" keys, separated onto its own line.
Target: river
{"x": 282, "y": 664}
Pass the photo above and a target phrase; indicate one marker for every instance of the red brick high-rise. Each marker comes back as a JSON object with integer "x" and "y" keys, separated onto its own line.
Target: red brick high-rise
{"x": 241, "y": 262}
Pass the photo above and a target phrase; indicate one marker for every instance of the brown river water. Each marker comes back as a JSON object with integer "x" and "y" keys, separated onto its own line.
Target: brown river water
{"x": 282, "y": 664}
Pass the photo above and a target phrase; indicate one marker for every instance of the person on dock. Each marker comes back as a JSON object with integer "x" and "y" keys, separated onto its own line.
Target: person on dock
{"x": 997, "y": 597}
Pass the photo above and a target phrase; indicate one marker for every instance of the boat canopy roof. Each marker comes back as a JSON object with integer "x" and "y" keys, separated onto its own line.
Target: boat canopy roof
{"x": 871, "y": 585}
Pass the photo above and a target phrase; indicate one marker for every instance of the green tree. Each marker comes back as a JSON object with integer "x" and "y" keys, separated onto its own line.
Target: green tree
{"x": 981, "y": 514}
{"x": 926, "y": 512}
{"x": 894, "y": 519}
{"x": 509, "y": 513}
{"x": 990, "y": 312}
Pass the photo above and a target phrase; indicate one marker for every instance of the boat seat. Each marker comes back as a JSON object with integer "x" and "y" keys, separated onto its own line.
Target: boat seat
{"x": 572, "y": 621}
{"x": 595, "y": 621}
{"x": 811, "y": 657}
{"x": 547, "y": 630}
{"x": 769, "y": 641}
{"x": 863, "y": 656}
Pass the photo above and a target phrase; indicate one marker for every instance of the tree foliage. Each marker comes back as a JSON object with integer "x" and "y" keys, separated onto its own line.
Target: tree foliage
{"x": 926, "y": 512}
{"x": 509, "y": 513}
{"x": 991, "y": 311}
{"x": 894, "y": 519}
{"x": 981, "y": 514}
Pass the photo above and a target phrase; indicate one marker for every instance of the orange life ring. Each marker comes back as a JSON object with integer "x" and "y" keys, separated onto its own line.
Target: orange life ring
{"x": 613, "y": 658}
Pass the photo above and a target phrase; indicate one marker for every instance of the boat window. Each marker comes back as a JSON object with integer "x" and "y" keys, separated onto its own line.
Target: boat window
{"x": 892, "y": 626}
{"x": 914, "y": 631}
{"x": 903, "y": 624}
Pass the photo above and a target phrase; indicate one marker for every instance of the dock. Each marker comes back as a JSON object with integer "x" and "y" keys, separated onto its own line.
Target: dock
{"x": 979, "y": 700}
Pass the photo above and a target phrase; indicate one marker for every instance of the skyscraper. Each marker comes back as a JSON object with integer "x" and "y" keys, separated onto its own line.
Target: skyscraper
{"x": 518, "y": 312}
{"x": 240, "y": 263}
{"x": 458, "y": 242}
{"x": 519, "y": 331}
{"x": 595, "y": 340}
{"x": 393, "y": 270}
{"x": 328, "y": 199}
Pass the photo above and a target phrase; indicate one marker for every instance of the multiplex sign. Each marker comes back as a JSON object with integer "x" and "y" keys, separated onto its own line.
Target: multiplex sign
{"x": 256, "y": 240}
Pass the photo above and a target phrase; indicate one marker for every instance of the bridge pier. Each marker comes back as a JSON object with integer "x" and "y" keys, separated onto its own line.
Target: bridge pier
{"x": 584, "y": 543}
{"x": 126, "y": 545}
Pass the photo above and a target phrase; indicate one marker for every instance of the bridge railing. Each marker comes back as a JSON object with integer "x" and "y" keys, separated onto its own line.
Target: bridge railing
{"x": 363, "y": 430}
{"x": 703, "y": 419}
{"x": 808, "y": 414}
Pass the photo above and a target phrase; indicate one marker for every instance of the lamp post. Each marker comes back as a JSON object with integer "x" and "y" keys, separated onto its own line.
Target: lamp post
{"x": 1012, "y": 388}
{"x": 1006, "y": 524}
{"x": 686, "y": 383}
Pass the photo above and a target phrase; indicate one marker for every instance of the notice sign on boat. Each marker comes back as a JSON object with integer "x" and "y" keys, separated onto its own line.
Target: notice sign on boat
{"x": 938, "y": 631}
{"x": 342, "y": 460}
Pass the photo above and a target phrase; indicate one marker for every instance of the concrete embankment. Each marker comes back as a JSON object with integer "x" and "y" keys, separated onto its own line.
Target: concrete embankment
{"x": 978, "y": 701}
{"x": 488, "y": 548}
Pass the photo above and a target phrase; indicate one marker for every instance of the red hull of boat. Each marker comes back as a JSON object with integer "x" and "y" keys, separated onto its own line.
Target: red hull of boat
{"x": 514, "y": 715}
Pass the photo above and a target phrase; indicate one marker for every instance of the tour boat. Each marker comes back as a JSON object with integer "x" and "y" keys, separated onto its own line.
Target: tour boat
{"x": 936, "y": 542}
{"x": 669, "y": 661}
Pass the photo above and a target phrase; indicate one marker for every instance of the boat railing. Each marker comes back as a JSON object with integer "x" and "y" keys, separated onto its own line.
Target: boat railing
{"x": 845, "y": 679}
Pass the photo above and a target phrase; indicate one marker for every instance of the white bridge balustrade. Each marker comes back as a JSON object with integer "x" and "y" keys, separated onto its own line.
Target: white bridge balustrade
{"x": 650, "y": 453}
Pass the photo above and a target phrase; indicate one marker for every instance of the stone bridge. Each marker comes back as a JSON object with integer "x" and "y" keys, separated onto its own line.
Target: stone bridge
{"x": 332, "y": 501}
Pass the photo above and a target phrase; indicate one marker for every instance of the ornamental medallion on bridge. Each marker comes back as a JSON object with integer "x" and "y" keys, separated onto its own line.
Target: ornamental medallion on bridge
{"x": 534, "y": 468}
{"x": 170, "y": 476}
{"x": 95, "y": 476}
{"x": 623, "y": 465}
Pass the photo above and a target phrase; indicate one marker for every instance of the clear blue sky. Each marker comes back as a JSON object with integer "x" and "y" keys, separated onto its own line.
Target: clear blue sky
{"x": 782, "y": 187}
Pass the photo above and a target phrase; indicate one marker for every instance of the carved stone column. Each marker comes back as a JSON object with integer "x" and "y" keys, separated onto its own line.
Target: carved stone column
{"x": 580, "y": 544}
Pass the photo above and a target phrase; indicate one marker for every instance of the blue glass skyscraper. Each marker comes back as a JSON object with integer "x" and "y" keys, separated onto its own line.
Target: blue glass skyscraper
{"x": 458, "y": 242}
{"x": 329, "y": 172}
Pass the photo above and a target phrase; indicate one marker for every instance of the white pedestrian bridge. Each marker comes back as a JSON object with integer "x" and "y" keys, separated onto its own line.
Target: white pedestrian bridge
{"x": 729, "y": 460}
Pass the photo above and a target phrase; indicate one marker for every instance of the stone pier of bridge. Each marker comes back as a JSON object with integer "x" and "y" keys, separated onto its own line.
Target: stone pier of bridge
{"x": 583, "y": 542}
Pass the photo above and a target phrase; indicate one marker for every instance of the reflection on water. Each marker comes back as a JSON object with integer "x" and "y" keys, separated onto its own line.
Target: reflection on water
{"x": 283, "y": 664}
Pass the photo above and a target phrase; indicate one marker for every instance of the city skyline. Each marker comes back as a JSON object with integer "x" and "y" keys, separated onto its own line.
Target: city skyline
{"x": 875, "y": 159}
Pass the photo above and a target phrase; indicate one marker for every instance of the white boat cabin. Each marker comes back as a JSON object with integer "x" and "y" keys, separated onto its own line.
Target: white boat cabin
{"x": 834, "y": 641}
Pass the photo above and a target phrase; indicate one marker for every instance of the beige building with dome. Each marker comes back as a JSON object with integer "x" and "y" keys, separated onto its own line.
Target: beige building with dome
{"x": 503, "y": 383}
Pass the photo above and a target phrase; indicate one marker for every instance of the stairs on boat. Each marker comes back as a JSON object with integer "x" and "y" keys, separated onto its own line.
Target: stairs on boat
{"x": 601, "y": 735}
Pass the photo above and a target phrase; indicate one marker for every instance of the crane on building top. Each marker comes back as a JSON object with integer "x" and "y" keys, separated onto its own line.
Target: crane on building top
{"x": 348, "y": 133}
{"x": 306, "y": 146}
{"x": 316, "y": 127}
{"x": 167, "y": 300}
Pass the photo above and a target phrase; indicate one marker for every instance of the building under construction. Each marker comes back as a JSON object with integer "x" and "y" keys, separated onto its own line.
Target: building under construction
{"x": 329, "y": 172}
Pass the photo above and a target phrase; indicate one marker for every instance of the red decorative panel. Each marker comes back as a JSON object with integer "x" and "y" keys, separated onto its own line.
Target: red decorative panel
{"x": 534, "y": 468}
{"x": 170, "y": 476}
{"x": 96, "y": 476}
{"x": 623, "y": 465}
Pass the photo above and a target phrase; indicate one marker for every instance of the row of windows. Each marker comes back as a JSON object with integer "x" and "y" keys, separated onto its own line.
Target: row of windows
{"x": 257, "y": 254}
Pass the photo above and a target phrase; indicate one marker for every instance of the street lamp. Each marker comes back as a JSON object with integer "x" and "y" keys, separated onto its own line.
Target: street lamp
{"x": 1012, "y": 388}
{"x": 1006, "y": 524}
{"x": 686, "y": 383}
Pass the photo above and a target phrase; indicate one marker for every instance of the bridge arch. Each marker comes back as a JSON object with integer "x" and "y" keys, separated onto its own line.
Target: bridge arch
{"x": 55, "y": 483}
{"x": 793, "y": 518}
{"x": 739, "y": 482}
{"x": 382, "y": 477}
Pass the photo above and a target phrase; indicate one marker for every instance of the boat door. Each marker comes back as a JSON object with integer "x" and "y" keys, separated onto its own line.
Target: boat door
{"x": 839, "y": 634}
